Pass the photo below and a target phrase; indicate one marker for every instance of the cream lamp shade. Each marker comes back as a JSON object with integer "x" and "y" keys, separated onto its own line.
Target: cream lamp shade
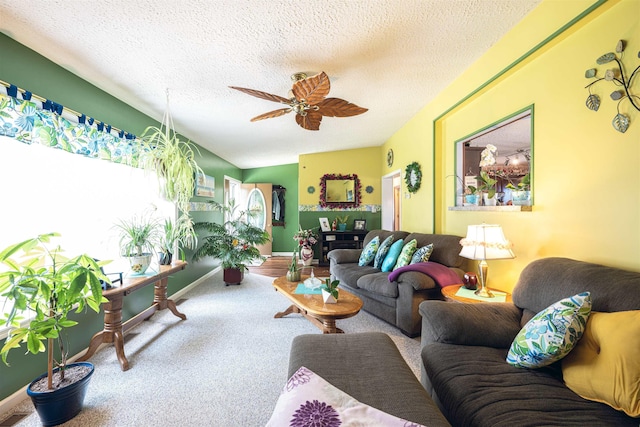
{"x": 486, "y": 241}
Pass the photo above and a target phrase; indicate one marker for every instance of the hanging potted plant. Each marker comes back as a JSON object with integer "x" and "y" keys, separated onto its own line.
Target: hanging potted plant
{"x": 173, "y": 161}
{"x": 43, "y": 282}
{"x": 139, "y": 235}
{"x": 232, "y": 241}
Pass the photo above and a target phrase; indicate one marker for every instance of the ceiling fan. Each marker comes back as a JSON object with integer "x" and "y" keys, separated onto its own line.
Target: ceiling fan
{"x": 308, "y": 100}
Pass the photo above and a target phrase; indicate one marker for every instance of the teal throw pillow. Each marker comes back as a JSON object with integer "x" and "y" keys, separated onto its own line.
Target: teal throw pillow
{"x": 551, "y": 334}
{"x": 422, "y": 254}
{"x": 406, "y": 254}
{"x": 382, "y": 252}
{"x": 392, "y": 256}
{"x": 369, "y": 252}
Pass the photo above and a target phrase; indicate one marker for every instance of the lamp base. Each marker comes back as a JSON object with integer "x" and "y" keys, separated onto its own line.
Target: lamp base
{"x": 484, "y": 293}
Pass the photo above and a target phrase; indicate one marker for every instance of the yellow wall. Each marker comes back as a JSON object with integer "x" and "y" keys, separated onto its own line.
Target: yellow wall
{"x": 362, "y": 162}
{"x": 586, "y": 174}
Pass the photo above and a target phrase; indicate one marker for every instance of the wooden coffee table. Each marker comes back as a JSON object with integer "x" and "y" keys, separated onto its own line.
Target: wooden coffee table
{"x": 312, "y": 306}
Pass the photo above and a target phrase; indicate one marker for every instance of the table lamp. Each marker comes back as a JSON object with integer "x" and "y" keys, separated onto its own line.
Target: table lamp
{"x": 483, "y": 242}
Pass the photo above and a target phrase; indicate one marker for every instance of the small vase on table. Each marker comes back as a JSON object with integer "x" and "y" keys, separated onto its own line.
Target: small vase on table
{"x": 306, "y": 255}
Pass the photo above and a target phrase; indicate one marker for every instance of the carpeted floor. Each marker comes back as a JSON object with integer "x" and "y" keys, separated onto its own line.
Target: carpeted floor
{"x": 224, "y": 366}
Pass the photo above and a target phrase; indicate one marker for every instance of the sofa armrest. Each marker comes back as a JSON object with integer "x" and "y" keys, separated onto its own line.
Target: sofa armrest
{"x": 344, "y": 256}
{"x": 484, "y": 324}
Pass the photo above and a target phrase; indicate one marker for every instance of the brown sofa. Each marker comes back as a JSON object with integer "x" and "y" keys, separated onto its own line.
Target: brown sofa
{"x": 396, "y": 302}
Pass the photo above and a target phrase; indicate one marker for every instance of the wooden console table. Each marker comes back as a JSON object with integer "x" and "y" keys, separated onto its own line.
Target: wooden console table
{"x": 114, "y": 329}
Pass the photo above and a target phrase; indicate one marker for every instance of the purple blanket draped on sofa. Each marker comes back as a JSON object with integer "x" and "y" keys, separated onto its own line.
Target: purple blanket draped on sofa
{"x": 442, "y": 275}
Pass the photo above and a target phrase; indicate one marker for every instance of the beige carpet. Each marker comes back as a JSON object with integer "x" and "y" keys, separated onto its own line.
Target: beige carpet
{"x": 224, "y": 366}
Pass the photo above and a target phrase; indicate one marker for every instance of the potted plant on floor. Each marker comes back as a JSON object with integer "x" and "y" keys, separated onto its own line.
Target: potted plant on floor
{"x": 232, "y": 241}
{"x": 40, "y": 280}
{"x": 139, "y": 236}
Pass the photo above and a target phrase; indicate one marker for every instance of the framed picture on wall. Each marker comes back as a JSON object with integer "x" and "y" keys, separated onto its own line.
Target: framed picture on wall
{"x": 324, "y": 224}
{"x": 360, "y": 224}
{"x": 205, "y": 185}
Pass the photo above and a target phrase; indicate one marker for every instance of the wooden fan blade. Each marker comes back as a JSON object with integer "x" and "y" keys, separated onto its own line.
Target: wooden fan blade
{"x": 312, "y": 89}
{"x": 271, "y": 114}
{"x": 311, "y": 121}
{"x": 336, "y": 107}
{"x": 263, "y": 95}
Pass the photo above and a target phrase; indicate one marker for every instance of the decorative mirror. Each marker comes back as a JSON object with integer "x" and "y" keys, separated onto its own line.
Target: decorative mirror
{"x": 340, "y": 191}
{"x": 509, "y": 169}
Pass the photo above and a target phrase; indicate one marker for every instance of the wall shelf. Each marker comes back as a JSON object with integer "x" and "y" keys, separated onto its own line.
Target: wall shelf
{"x": 492, "y": 208}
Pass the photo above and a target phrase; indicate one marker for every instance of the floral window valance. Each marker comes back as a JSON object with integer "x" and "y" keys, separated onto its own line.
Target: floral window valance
{"x": 27, "y": 122}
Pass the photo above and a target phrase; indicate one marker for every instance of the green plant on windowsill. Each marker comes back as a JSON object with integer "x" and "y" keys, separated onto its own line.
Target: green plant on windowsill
{"x": 523, "y": 185}
{"x": 487, "y": 184}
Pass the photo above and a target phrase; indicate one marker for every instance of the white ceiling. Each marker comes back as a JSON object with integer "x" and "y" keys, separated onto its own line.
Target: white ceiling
{"x": 390, "y": 56}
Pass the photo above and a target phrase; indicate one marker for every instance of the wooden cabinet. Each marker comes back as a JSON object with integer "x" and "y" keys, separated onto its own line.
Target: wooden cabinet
{"x": 330, "y": 240}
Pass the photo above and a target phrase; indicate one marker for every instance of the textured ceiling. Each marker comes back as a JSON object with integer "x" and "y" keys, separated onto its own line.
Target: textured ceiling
{"x": 390, "y": 56}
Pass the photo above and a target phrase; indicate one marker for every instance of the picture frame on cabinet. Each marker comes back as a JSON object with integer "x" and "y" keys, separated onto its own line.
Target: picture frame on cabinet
{"x": 360, "y": 224}
{"x": 324, "y": 224}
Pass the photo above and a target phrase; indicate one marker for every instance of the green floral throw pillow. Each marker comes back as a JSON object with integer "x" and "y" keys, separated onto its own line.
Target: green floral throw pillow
{"x": 407, "y": 252}
{"x": 369, "y": 252}
{"x": 551, "y": 334}
{"x": 382, "y": 252}
{"x": 422, "y": 254}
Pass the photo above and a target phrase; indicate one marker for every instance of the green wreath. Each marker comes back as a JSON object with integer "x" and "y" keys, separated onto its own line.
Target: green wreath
{"x": 413, "y": 177}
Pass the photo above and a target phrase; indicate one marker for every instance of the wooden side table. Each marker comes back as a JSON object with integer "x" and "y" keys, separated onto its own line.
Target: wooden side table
{"x": 449, "y": 293}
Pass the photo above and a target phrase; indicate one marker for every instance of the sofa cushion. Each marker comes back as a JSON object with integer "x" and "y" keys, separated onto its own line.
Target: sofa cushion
{"x": 382, "y": 252}
{"x": 369, "y": 367}
{"x": 392, "y": 256}
{"x": 378, "y": 283}
{"x": 369, "y": 252}
{"x": 605, "y": 365}
{"x": 406, "y": 253}
{"x": 477, "y": 388}
{"x": 309, "y": 400}
{"x": 551, "y": 334}
{"x": 422, "y": 254}
{"x": 349, "y": 274}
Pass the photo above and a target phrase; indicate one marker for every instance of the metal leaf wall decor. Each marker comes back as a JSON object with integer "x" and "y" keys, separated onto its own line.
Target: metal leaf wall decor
{"x": 619, "y": 78}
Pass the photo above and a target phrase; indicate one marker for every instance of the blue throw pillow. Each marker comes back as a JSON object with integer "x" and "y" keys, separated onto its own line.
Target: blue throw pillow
{"x": 422, "y": 254}
{"x": 382, "y": 252}
{"x": 369, "y": 252}
{"x": 392, "y": 256}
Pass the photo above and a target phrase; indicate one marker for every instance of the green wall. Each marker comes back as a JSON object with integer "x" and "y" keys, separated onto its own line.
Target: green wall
{"x": 31, "y": 71}
{"x": 287, "y": 176}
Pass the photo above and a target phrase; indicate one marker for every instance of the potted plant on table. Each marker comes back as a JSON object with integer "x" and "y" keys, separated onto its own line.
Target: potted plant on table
{"x": 174, "y": 237}
{"x": 330, "y": 291}
{"x": 139, "y": 236}
{"x": 293, "y": 274}
{"x": 306, "y": 239}
{"x": 232, "y": 241}
{"x": 43, "y": 282}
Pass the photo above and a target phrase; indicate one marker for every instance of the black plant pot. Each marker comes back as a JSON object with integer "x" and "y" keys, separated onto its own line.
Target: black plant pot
{"x": 165, "y": 258}
{"x": 58, "y": 406}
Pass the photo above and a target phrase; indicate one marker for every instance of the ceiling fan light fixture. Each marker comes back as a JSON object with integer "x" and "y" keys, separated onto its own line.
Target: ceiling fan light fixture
{"x": 309, "y": 101}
